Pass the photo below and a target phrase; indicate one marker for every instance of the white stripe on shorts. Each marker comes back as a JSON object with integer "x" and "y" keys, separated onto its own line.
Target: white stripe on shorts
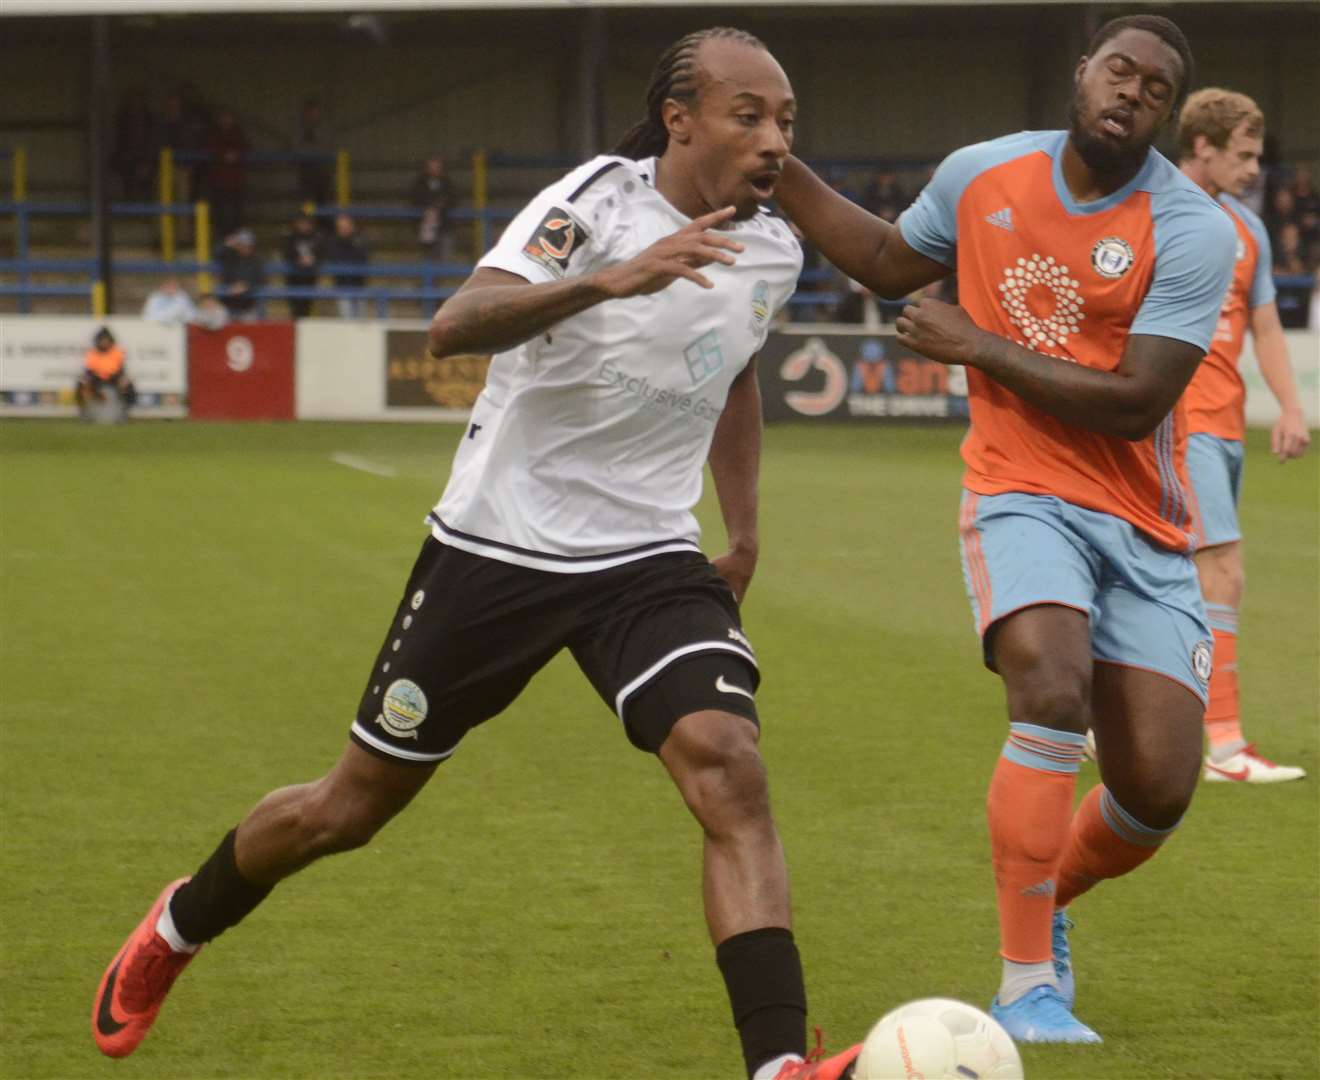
{"x": 393, "y": 751}
{"x": 665, "y": 661}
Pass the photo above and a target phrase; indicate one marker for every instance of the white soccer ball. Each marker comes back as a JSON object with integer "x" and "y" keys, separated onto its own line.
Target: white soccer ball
{"x": 935, "y": 1038}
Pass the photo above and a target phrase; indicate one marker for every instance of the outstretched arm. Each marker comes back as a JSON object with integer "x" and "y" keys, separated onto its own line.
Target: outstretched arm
{"x": 1129, "y": 402}
{"x": 866, "y": 248}
{"x": 1289, "y": 437}
{"x": 496, "y": 310}
{"x": 735, "y": 464}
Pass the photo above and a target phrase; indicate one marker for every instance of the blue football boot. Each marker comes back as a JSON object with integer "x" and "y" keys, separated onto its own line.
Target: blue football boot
{"x": 1040, "y": 1016}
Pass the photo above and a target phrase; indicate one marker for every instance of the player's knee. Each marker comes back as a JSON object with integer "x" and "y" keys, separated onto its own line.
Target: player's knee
{"x": 1058, "y": 700}
{"x": 1169, "y": 807}
{"x": 1157, "y": 794}
{"x": 744, "y": 789}
{"x": 1162, "y": 806}
{"x": 724, "y": 779}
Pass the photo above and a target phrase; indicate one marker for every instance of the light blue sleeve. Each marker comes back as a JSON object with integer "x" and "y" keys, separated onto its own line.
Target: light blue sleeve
{"x": 930, "y": 225}
{"x": 1262, "y": 281}
{"x": 1195, "y": 249}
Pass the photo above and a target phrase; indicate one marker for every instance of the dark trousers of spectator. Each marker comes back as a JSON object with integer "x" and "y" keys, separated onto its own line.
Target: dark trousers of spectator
{"x": 226, "y": 213}
{"x": 300, "y": 309}
{"x": 314, "y": 184}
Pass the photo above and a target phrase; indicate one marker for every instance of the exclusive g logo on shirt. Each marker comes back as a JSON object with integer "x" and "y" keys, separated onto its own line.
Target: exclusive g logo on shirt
{"x": 555, "y": 240}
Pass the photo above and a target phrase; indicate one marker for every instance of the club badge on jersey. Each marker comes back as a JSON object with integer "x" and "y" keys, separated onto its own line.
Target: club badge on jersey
{"x": 555, "y": 239}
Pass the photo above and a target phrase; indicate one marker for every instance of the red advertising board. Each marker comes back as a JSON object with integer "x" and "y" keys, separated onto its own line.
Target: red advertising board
{"x": 241, "y": 372}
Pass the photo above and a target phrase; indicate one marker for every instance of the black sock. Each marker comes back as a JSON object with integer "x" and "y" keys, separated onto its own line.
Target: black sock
{"x": 216, "y": 898}
{"x": 763, "y": 975}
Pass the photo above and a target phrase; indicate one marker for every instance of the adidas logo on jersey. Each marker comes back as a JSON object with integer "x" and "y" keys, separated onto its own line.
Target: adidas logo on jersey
{"x": 1003, "y": 218}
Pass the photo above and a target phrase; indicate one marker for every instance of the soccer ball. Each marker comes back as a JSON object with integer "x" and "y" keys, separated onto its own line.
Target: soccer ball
{"x": 934, "y": 1038}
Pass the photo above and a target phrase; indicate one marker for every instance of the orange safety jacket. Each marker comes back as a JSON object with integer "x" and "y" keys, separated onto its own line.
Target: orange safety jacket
{"x": 104, "y": 365}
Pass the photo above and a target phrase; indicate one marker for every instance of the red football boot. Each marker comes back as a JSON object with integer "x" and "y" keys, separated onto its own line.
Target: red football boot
{"x": 818, "y": 1066}
{"x": 134, "y": 986}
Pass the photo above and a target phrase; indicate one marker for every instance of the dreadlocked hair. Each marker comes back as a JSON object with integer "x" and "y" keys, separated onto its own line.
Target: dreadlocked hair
{"x": 1164, "y": 29}
{"x": 676, "y": 76}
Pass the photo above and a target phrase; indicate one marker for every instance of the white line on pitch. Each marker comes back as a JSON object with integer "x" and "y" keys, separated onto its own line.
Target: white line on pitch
{"x": 352, "y": 461}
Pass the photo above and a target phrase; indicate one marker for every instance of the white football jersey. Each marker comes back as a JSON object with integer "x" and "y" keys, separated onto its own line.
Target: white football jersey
{"x": 586, "y": 447}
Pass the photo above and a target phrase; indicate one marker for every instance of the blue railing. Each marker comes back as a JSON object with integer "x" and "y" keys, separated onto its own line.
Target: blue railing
{"x": 24, "y": 265}
{"x": 426, "y": 273}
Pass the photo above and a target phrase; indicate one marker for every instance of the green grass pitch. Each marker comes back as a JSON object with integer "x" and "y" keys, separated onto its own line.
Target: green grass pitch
{"x": 189, "y": 612}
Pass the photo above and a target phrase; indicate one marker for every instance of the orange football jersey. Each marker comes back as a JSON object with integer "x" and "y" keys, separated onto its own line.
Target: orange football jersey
{"x": 1217, "y": 398}
{"x": 1073, "y": 280}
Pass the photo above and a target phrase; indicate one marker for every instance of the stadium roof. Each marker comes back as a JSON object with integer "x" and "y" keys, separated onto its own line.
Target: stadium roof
{"x": 48, "y": 8}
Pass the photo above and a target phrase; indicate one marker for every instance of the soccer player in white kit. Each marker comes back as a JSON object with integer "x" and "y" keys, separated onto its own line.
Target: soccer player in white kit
{"x": 624, "y": 307}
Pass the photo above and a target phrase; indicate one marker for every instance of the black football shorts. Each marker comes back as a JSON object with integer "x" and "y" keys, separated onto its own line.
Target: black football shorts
{"x": 658, "y": 638}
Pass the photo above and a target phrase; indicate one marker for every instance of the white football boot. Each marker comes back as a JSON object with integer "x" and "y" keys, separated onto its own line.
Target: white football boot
{"x": 1248, "y": 767}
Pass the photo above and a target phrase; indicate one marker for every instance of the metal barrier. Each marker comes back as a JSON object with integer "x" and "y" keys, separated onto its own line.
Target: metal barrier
{"x": 201, "y": 263}
{"x": 204, "y": 266}
{"x": 17, "y": 170}
{"x": 23, "y": 212}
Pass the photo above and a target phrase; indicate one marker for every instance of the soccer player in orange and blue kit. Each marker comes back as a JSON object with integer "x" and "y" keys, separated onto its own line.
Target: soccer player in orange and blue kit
{"x": 1220, "y": 137}
{"x": 1091, "y": 274}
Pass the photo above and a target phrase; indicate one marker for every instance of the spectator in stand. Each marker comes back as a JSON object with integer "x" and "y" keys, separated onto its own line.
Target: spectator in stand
{"x": 227, "y": 174}
{"x": 347, "y": 248}
{"x": 1305, "y": 195}
{"x": 1294, "y": 293}
{"x": 211, "y": 313}
{"x": 135, "y": 153}
{"x": 169, "y": 302}
{"x": 313, "y": 137}
{"x": 1307, "y": 204}
{"x": 242, "y": 275}
{"x": 859, "y": 304}
{"x": 303, "y": 248}
{"x": 185, "y": 128}
{"x": 1283, "y": 209}
{"x": 884, "y": 197}
{"x": 433, "y": 193}
{"x": 1288, "y": 254}
{"x": 840, "y": 182}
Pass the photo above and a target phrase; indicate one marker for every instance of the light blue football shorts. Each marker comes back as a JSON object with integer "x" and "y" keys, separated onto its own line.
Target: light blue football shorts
{"x": 1215, "y": 468}
{"x": 1143, "y": 601}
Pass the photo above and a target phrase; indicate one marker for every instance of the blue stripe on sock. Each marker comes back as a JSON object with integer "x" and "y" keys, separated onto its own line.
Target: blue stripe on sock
{"x": 1128, "y": 827}
{"x": 1019, "y": 756}
{"x": 1048, "y": 733}
{"x": 1072, "y": 746}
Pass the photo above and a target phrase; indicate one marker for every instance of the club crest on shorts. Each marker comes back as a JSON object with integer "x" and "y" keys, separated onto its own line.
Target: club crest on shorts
{"x": 1201, "y": 663}
{"x": 403, "y": 709}
{"x": 555, "y": 240}
{"x": 1112, "y": 257}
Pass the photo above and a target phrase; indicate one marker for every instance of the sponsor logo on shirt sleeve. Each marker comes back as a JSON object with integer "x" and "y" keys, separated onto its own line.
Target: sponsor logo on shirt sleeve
{"x": 554, "y": 241}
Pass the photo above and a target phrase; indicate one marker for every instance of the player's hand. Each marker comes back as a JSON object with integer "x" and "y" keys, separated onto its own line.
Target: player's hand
{"x": 1290, "y": 438}
{"x": 939, "y": 331}
{"x": 737, "y": 567}
{"x": 679, "y": 255}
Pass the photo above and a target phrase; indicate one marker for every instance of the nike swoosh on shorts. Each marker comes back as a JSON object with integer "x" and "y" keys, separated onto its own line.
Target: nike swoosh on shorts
{"x": 726, "y": 687}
